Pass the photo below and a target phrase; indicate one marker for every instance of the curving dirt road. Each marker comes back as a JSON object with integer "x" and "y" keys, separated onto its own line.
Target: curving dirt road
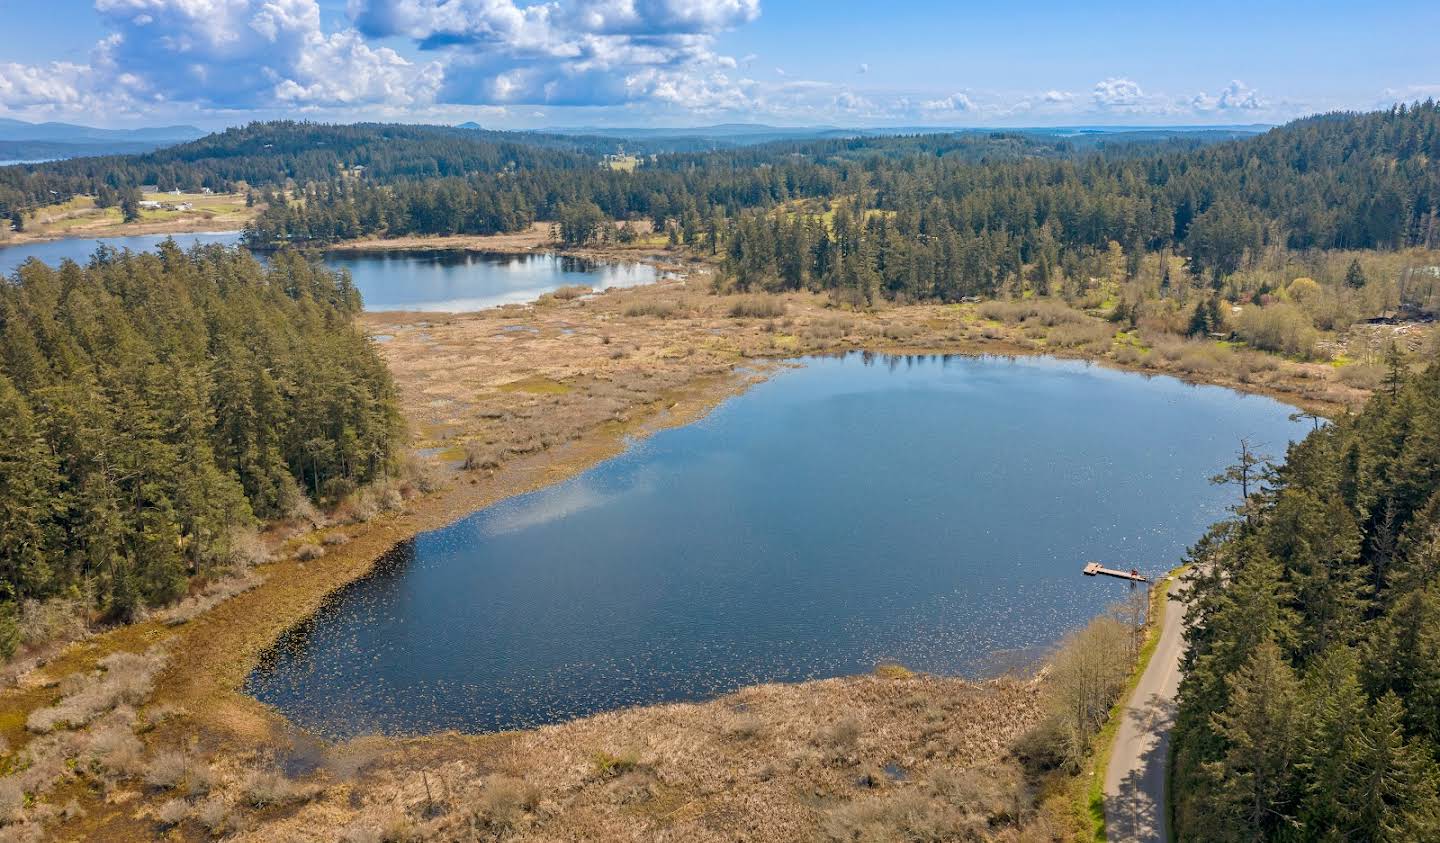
{"x": 1135, "y": 777}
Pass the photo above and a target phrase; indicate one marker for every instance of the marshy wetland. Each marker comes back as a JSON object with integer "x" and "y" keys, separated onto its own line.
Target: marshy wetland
{"x": 508, "y": 406}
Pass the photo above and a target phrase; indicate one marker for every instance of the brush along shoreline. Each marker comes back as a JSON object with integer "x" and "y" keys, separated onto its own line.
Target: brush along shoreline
{"x": 510, "y": 400}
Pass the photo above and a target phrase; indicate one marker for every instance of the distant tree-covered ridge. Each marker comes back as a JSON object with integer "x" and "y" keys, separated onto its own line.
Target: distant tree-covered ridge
{"x": 1310, "y": 705}
{"x": 941, "y": 216}
{"x": 949, "y": 216}
{"x": 277, "y": 154}
{"x": 155, "y": 405}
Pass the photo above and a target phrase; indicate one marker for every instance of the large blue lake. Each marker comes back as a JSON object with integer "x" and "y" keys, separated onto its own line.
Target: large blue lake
{"x": 445, "y": 280}
{"x": 849, "y": 511}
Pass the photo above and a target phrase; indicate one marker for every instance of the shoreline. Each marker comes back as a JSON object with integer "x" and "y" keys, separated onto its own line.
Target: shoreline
{"x": 198, "y": 225}
{"x": 317, "y": 582}
{"x": 685, "y": 371}
{"x": 449, "y": 506}
{"x": 140, "y": 230}
{"x": 536, "y": 238}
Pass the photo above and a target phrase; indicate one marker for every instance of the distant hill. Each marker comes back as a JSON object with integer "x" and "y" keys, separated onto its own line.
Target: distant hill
{"x": 20, "y": 140}
{"x": 723, "y": 134}
{"x": 745, "y": 134}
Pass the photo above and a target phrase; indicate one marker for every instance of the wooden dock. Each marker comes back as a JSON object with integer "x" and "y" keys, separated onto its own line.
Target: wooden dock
{"x": 1096, "y": 569}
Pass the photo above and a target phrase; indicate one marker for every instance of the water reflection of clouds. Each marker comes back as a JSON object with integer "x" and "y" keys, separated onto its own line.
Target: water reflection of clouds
{"x": 457, "y": 281}
{"x": 743, "y": 548}
{"x": 568, "y": 499}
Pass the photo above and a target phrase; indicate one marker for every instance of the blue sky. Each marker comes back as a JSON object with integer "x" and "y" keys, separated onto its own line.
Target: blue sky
{"x": 521, "y": 63}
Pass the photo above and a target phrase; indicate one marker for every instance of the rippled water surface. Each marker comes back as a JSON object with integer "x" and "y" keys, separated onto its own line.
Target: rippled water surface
{"x": 421, "y": 280}
{"x": 852, "y": 510}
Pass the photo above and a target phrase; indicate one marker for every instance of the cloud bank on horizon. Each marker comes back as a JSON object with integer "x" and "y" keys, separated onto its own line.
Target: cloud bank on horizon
{"x": 513, "y": 61}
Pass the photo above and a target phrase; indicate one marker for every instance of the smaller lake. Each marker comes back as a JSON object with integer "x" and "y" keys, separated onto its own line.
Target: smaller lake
{"x": 434, "y": 280}
{"x": 454, "y": 280}
{"x": 79, "y": 249}
{"x": 852, "y": 510}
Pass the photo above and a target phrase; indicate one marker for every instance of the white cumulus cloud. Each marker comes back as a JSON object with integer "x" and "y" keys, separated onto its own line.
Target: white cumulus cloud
{"x": 954, "y": 102}
{"x": 1117, "y": 92}
{"x": 1237, "y": 96}
{"x": 57, "y": 86}
{"x": 277, "y": 54}
{"x": 584, "y": 52}
{"x": 853, "y": 102}
{"x": 222, "y": 54}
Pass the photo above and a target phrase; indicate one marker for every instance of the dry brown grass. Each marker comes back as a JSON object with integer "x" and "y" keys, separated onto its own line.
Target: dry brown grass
{"x": 505, "y": 800}
{"x": 115, "y": 748}
{"x": 779, "y": 757}
{"x": 123, "y": 678}
{"x": 772, "y": 762}
{"x": 573, "y": 291}
{"x": 1040, "y": 311}
{"x": 1091, "y": 335}
{"x": 266, "y": 788}
{"x": 757, "y": 307}
{"x": 212, "y": 595}
{"x": 172, "y": 812}
{"x": 1362, "y": 375}
{"x": 657, "y": 309}
{"x": 166, "y": 770}
{"x": 952, "y": 805}
{"x": 213, "y": 815}
{"x": 54, "y": 621}
{"x": 309, "y": 551}
{"x": 88, "y": 734}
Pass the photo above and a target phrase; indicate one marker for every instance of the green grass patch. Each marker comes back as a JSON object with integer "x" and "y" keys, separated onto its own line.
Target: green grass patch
{"x": 76, "y": 203}
{"x": 608, "y": 765}
{"x": 109, "y": 215}
{"x": 1132, "y": 339}
{"x": 893, "y": 670}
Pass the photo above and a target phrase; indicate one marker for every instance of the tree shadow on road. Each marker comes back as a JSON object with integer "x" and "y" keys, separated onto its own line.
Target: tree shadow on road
{"x": 1136, "y": 813}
